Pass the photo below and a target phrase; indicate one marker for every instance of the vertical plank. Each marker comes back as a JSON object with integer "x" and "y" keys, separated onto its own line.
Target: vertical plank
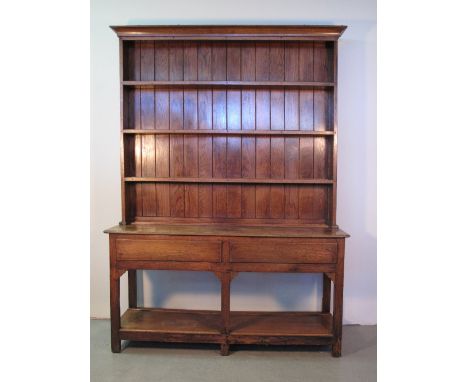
{"x": 129, "y": 154}
{"x": 323, "y": 61}
{"x": 320, "y": 160}
{"x": 162, "y": 123}
{"x": 323, "y": 65}
{"x": 176, "y": 61}
{"x": 306, "y": 192}
{"x": 277, "y": 63}
{"x": 148, "y": 159}
{"x": 131, "y": 68}
{"x": 277, "y": 73}
{"x": 322, "y": 72}
{"x": 205, "y": 143}
{"x": 291, "y": 172}
{"x": 233, "y": 160}
{"x": 133, "y": 120}
{"x": 219, "y": 64}
{"x": 248, "y": 123}
{"x": 306, "y": 201}
{"x": 161, "y": 60}
{"x": 331, "y": 217}
{"x": 306, "y": 61}
{"x": 262, "y": 122}
{"x": 291, "y": 144}
{"x": 191, "y": 123}
{"x": 127, "y": 145}
{"x": 176, "y": 73}
{"x": 306, "y": 122}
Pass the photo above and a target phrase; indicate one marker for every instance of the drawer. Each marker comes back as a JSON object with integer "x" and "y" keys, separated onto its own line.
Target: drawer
{"x": 168, "y": 250}
{"x": 283, "y": 251}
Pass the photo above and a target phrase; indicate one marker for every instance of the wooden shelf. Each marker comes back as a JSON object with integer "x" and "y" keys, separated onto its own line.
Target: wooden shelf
{"x": 230, "y": 180}
{"x": 281, "y": 324}
{"x": 294, "y": 84}
{"x": 171, "y": 321}
{"x": 199, "y": 229}
{"x": 154, "y": 324}
{"x": 234, "y": 132}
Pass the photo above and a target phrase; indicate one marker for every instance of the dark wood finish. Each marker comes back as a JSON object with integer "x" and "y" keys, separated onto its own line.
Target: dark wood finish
{"x": 114, "y": 300}
{"x": 229, "y": 180}
{"x": 221, "y": 230}
{"x": 228, "y": 164}
{"x": 281, "y": 324}
{"x": 228, "y": 132}
{"x": 326, "y": 293}
{"x": 150, "y": 324}
{"x": 283, "y": 251}
{"x": 185, "y": 103}
{"x": 230, "y": 32}
{"x": 230, "y": 84}
{"x": 140, "y": 248}
{"x": 338, "y": 301}
{"x": 132, "y": 288}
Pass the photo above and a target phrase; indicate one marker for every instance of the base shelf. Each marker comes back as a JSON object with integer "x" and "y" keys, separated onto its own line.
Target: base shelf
{"x": 177, "y": 325}
{"x": 306, "y": 324}
{"x": 171, "y": 321}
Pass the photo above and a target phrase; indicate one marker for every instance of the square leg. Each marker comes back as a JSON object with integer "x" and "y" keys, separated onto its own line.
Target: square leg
{"x": 132, "y": 288}
{"x": 115, "y": 310}
{"x": 326, "y": 294}
{"x": 338, "y": 301}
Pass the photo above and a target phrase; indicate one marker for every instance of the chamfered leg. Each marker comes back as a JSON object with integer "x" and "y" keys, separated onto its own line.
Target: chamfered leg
{"x": 132, "y": 288}
{"x": 326, "y": 294}
{"x": 115, "y": 310}
{"x": 338, "y": 301}
{"x": 114, "y": 297}
{"x": 225, "y": 278}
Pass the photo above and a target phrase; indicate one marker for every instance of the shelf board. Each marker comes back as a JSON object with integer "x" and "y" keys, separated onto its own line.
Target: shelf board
{"x": 229, "y": 180}
{"x": 179, "y": 325}
{"x": 294, "y": 84}
{"x": 233, "y": 132}
{"x": 171, "y": 321}
{"x": 311, "y": 324}
{"x": 199, "y": 229}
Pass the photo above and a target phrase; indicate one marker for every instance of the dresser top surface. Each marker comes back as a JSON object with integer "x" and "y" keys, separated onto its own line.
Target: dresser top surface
{"x": 226, "y": 32}
{"x": 225, "y": 230}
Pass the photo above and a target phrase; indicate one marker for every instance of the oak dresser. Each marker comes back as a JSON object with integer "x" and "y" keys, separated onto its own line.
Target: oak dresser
{"x": 228, "y": 165}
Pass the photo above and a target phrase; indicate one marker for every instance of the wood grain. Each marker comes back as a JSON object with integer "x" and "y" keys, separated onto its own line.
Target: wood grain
{"x": 282, "y": 251}
{"x": 230, "y": 32}
{"x": 228, "y": 165}
{"x": 167, "y": 250}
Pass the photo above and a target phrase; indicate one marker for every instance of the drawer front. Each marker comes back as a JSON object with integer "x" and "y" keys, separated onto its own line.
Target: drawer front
{"x": 168, "y": 250}
{"x": 282, "y": 251}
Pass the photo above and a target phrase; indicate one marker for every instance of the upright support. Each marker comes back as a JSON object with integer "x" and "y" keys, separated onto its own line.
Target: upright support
{"x": 225, "y": 279}
{"x": 114, "y": 299}
{"x": 225, "y": 309}
{"x": 326, "y": 294}
{"x": 338, "y": 300}
{"x": 132, "y": 288}
{"x": 115, "y": 310}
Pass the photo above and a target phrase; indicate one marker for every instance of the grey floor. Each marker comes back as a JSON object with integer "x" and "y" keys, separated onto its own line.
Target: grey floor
{"x": 177, "y": 363}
